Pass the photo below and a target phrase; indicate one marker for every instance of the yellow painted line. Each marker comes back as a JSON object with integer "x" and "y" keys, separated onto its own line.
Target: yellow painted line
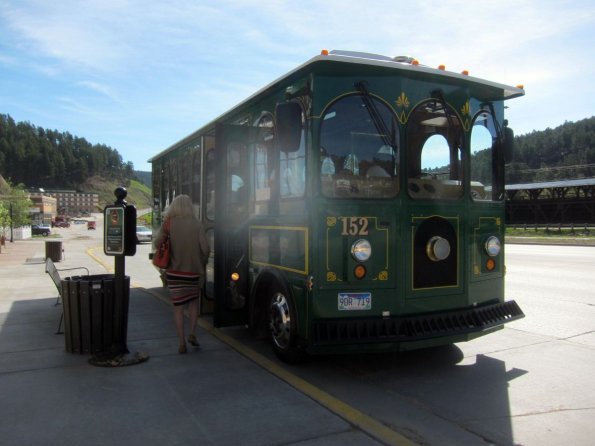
{"x": 107, "y": 266}
{"x": 350, "y": 414}
{"x": 355, "y": 417}
{"x": 91, "y": 253}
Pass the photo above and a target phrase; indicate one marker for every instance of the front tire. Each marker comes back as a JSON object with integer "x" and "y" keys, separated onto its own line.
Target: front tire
{"x": 283, "y": 327}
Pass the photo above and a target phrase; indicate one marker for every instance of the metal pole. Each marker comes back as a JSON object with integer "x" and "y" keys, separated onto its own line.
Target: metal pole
{"x": 10, "y": 210}
{"x": 121, "y": 305}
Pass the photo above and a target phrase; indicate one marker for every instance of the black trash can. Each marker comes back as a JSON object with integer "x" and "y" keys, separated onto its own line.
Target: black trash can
{"x": 94, "y": 320}
{"x": 53, "y": 250}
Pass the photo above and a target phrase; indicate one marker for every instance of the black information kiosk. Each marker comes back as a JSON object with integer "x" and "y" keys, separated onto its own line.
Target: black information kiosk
{"x": 119, "y": 240}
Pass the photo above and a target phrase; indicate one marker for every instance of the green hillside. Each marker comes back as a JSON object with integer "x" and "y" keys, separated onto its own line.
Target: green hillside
{"x": 138, "y": 193}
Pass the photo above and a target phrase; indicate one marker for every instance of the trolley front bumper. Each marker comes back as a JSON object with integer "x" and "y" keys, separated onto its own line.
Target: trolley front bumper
{"x": 415, "y": 328}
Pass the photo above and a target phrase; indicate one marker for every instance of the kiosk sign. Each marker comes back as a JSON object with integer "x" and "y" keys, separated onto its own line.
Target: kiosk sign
{"x": 113, "y": 237}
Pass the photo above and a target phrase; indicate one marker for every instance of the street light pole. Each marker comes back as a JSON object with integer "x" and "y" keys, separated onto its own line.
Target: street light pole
{"x": 10, "y": 204}
{"x": 10, "y": 215}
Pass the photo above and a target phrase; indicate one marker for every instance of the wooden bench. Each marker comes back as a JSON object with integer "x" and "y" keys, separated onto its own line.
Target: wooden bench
{"x": 54, "y": 273}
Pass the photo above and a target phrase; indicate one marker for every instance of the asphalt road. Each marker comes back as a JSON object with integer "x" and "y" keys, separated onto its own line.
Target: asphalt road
{"x": 530, "y": 383}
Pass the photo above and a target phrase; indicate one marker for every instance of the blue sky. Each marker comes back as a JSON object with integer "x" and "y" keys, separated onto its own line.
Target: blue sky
{"x": 138, "y": 75}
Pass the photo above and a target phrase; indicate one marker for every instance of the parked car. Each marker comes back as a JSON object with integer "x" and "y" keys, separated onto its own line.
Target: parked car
{"x": 61, "y": 224}
{"x": 91, "y": 225}
{"x": 41, "y": 230}
{"x": 143, "y": 234}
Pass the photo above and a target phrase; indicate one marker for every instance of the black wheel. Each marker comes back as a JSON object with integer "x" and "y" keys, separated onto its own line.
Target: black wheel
{"x": 45, "y": 233}
{"x": 282, "y": 325}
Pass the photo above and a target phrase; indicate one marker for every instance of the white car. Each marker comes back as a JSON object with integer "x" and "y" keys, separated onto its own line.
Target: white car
{"x": 143, "y": 234}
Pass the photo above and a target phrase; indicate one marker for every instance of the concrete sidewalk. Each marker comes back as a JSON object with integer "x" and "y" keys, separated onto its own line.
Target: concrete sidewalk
{"x": 210, "y": 396}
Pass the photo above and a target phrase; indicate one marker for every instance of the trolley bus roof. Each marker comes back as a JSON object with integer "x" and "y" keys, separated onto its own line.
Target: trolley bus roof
{"x": 479, "y": 88}
{"x": 496, "y": 90}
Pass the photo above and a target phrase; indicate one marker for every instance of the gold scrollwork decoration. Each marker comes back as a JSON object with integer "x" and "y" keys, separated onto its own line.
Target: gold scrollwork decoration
{"x": 383, "y": 275}
{"x": 466, "y": 109}
{"x": 402, "y": 102}
{"x": 331, "y": 276}
{"x": 331, "y": 221}
{"x": 466, "y": 115}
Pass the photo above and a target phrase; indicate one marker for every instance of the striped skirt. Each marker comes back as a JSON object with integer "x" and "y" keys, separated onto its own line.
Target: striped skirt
{"x": 183, "y": 287}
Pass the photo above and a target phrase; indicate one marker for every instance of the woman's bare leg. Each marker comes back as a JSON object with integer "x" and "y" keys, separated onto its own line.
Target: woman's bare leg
{"x": 179, "y": 322}
{"x": 193, "y": 314}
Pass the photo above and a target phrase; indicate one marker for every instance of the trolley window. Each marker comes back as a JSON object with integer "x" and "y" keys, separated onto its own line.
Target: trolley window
{"x": 358, "y": 149}
{"x": 434, "y": 148}
{"x": 483, "y": 162}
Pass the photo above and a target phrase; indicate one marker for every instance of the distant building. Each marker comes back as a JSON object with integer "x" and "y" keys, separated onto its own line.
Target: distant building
{"x": 70, "y": 202}
{"x": 44, "y": 207}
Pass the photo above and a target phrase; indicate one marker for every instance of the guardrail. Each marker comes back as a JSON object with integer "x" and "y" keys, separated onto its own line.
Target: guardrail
{"x": 574, "y": 228}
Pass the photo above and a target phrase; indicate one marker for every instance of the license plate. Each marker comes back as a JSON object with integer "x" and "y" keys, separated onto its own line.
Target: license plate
{"x": 355, "y": 301}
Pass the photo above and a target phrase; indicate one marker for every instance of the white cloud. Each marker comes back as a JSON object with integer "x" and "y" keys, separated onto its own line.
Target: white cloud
{"x": 183, "y": 62}
{"x": 59, "y": 33}
{"x": 104, "y": 90}
{"x": 7, "y": 60}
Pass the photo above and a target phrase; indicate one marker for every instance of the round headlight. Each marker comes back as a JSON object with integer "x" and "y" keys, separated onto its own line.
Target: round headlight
{"x": 493, "y": 246}
{"x": 437, "y": 248}
{"x": 361, "y": 250}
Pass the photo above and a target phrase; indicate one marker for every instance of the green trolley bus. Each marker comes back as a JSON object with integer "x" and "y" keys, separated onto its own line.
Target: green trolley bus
{"x": 355, "y": 204}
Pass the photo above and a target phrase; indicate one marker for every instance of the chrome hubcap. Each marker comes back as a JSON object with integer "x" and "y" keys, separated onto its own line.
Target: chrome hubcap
{"x": 280, "y": 321}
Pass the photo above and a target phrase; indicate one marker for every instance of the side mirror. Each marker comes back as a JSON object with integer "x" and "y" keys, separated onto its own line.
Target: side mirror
{"x": 508, "y": 145}
{"x": 289, "y": 126}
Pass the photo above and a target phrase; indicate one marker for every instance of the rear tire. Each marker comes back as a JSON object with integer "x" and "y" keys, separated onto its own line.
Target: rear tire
{"x": 282, "y": 320}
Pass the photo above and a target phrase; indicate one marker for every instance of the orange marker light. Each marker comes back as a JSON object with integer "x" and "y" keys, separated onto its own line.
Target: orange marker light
{"x": 442, "y": 67}
{"x": 465, "y": 72}
{"x": 521, "y": 86}
{"x": 324, "y": 53}
{"x": 359, "y": 272}
{"x": 235, "y": 276}
{"x": 490, "y": 264}
{"x": 415, "y": 62}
